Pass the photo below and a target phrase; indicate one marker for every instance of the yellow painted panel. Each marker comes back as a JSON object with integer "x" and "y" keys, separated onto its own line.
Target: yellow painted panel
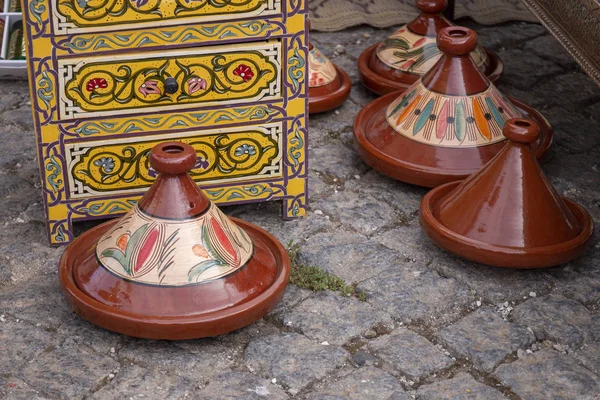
{"x": 120, "y": 166}
{"x": 114, "y": 85}
{"x": 72, "y": 16}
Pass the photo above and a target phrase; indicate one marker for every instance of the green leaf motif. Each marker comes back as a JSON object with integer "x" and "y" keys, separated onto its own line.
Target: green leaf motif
{"x": 199, "y": 269}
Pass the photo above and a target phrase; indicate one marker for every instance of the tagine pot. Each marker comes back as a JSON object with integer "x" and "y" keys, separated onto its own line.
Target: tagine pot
{"x": 508, "y": 214}
{"x": 328, "y": 85}
{"x": 447, "y": 125}
{"x": 174, "y": 267}
{"x": 409, "y": 53}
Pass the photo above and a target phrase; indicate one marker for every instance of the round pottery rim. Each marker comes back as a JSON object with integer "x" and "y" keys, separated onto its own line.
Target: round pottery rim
{"x": 173, "y": 327}
{"x": 334, "y": 99}
{"x": 512, "y": 257}
{"x": 424, "y": 175}
{"x": 381, "y": 85}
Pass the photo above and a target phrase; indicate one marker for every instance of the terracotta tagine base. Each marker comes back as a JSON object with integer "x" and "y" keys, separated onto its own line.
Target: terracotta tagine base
{"x": 174, "y": 267}
{"x": 329, "y": 85}
{"x": 400, "y": 81}
{"x": 445, "y": 126}
{"x": 507, "y": 214}
{"x": 419, "y": 164}
{"x": 409, "y": 53}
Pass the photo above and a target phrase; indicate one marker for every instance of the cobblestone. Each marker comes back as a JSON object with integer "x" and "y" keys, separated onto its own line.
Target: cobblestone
{"x": 241, "y": 385}
{"x": 69, "y": 371}
{"x": 334, "y": 319}
{"x": 409, "y": 354}
{"x": 293, "y": 360}
{"x": 133, "y": 382}
{"x": 549, "y": 375}
{"x": 461, "y": 387}
{"x": 414, "y": 293}
{"x": 196, "y": 360}
{"x": 365, "y": 383}
{"x": 485, "y": 338}
{"x": 558, "y": 319}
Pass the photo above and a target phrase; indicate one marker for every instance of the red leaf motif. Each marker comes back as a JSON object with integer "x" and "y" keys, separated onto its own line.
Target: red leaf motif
{"x": 223, "y": 241}
{"x": 146, "y": 249}
{"x": 419, "y": 42}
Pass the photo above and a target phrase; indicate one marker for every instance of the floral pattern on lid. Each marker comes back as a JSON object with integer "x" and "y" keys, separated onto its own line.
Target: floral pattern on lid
{"x": 451, "y": 121}
{"x": 155, "y": 251}
{"x": 321, "y": 71}
{"x": 416, "y": 54}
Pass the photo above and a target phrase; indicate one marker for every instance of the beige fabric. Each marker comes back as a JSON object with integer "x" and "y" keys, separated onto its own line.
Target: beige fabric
{"x": 576, "y": 25}
{"x": 333, "y": 15}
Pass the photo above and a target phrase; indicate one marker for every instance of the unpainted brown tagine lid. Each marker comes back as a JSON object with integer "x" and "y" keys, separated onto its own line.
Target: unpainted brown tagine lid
{"x": 508, "y": 214}
{"x": 174, "y": 267}
{"x": 447, "y": 125}
{"x": 405, "y": 56}
{"x": 328, "y": 85}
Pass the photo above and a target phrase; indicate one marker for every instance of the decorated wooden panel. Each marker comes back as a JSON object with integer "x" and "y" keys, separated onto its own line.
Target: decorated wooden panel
{"x": 121, "y": 165}
{"x": 112, "y": 85}
{"x": 100, "y": 100}
{"x": 71, "y": 16}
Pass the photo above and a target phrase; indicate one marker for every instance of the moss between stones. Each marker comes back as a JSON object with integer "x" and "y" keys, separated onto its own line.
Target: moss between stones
{"x": 317, "y": 279}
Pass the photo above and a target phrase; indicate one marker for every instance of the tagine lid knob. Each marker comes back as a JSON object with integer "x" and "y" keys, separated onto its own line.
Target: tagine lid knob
{"x": 457, "y": 40}
{"x": 432, "y": 6}
{"x": 521, "y": 130}
{"x": 173, "y": 158}
{"x": 174, "y": 195}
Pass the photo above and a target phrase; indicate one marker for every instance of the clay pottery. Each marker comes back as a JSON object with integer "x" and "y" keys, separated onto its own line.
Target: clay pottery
{"x": 328, "y": 85}
{"x": 174, "y": 267}
{"x": 400, "y": 60}
{"x": 508, "y": 214}
{"x": 447, "y": 125}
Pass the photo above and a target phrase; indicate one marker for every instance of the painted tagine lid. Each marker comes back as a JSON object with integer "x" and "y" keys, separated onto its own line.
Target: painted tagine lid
{"x": 445, "y": 126}
{"x": 328, "y": 85}
{"x": 508, "y": 214}
{"x": 175, "y": 266}
{"x": 411, "y": 51}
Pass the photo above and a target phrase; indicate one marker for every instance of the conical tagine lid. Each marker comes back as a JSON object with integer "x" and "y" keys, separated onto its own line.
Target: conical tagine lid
{"x": 329, "y": 86}
{"x": 411, "y": 51}
{"x": 445, "y": 126}
{"x": 508, "y": 214}
{"x": 174, "y": 258}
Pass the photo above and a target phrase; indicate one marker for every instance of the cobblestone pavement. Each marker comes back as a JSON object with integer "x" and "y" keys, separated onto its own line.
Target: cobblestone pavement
{"x": 432, "y": 326}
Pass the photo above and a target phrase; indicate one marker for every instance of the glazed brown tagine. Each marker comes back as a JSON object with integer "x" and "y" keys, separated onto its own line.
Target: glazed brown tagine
{"x": 400, "y": 60}
{"x": 508, "y": 214}
{"x": 328, "y": 85}
{"x": 447, "y": 125}
{"x": 175, "y": 267}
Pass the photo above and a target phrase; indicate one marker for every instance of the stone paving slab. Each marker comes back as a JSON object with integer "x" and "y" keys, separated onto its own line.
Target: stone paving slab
{"x": 241, "y": 385}
{"x": 334, "y": 319}
{"x": 293, "y": 360}
{"x": 365, "y": 383}
{"x": 461, "y": 387}
{"x": 133, "y": 382}
{"x": 549, "y": 375}
{"x": 409, "y": 354}
{"x": 69, "y": 371}
{"x": 485, "y": 338}
{"x": 559, "y": 319}
{"x": 362, "y": 227}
